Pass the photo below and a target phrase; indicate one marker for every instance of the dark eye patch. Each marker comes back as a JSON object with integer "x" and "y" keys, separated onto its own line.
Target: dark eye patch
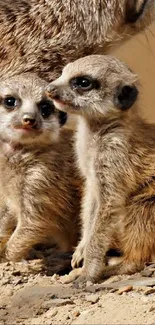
{"x": 46, "y": 108}
{"x": 62, "y": 117}
{"x": 132, "y": 14}
{"x": 84, "y": 83}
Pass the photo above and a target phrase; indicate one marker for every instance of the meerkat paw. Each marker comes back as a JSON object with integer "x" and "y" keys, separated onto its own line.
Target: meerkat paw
{"x": 84, "y": 278}
{"x": 72, "y": 276}
{"x": 78, "y": 256}
{"x": 78, "y": 277}
{"x": 94, "y": 269}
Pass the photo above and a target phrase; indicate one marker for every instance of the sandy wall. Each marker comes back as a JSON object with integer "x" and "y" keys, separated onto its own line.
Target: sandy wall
{"x": 139, "y": 53}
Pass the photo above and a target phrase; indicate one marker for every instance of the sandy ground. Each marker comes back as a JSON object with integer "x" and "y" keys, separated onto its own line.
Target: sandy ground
{"x": 30, "y": 294}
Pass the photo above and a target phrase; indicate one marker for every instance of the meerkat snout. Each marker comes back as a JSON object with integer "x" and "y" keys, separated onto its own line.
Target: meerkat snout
{"x": 53, "y": 91}
{"x": 95, "y": 85}
{"x": 29, "y": 120}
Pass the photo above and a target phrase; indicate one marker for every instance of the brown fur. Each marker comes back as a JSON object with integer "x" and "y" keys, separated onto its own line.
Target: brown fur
{"x": 42, "y": 36}
{"x": 116, "y": 155}
{"x": 39, "y": 185}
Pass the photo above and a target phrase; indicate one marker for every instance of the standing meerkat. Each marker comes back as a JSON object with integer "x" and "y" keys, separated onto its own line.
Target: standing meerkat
{"x": 116, "y": 155}
{"x": 39, "y": 186}
{"x": 42, "y": 36}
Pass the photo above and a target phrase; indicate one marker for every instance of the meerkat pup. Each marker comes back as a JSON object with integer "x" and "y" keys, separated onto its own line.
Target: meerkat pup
{"x": 39, "y": 186}
{"x": 116, "y": 155}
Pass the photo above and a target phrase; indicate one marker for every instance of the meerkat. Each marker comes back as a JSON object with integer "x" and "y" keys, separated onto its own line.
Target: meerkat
{"x": 116, "y": 156}
{"x": 39, "y": 186}
{"x": 42, "y": 36}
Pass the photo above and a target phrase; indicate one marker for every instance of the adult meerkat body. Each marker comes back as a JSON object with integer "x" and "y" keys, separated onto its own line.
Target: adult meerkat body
{"x": 39, "y": 185}
{"x": 42, "y": 36}
{"x": 116, "y": 156}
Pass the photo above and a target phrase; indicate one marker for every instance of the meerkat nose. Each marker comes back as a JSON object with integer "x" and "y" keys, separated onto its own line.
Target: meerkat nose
{"x": 52, "y": 91}
{"x": 28, "y": 120}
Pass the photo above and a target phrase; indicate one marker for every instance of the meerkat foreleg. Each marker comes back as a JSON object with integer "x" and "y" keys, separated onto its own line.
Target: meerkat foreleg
{"x": 7, "y": 226}
{"x": 110, "y": 180}
{"x": 87, "y": 214}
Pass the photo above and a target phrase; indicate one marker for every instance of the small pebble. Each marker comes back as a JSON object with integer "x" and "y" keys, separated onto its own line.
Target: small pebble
{"x": 147, "y": 273}
{"x": 2, "y": 306}
{"x": 124, "y": 289}
{"x": 5, "y": 281}
{"x": 152, "y": 308}
{"x": 17, "y": 281}
{"x": 16, "y": 273}
{"x": 89, "y": 283}
{"x": 51, "y": 313}
{"x": 91, "y": 289}
{"x": 140, "y": 289}
{"x": 151, "y": 265}
{"x": 113, "y": 290}
{"x": 149, "y": 291}
{"x": 92, "y": 298}
{"x": 76, "y": 313}
{"x": 9, "y": 292}
{"x": 57, "y": 303}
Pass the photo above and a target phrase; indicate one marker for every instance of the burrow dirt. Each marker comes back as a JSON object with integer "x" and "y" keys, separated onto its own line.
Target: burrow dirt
{"x": 33, "y": 292}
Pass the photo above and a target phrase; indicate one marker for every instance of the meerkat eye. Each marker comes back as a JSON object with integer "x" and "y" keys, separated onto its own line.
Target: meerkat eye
{"x": 46, "y": 108}
{"x": 84, "y": 83}
{"x": 10, "y": 102}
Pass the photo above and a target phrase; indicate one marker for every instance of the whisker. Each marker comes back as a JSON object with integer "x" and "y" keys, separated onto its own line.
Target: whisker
{"x": 151, "y": 32}
{"x": 142, "y": 43}
{"x": 149, "y": 45}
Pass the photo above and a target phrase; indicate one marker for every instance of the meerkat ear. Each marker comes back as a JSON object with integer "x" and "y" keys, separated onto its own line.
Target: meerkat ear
{"x": 134, "y": 10}
{"x": 125, "y": 96}
{"x": 62, "y": 117}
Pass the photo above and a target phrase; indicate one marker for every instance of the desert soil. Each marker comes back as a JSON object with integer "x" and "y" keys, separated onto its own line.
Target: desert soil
{"x": 32, "y": 293}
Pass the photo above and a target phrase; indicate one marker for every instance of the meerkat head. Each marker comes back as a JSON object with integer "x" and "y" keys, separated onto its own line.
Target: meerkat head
{"x": 27, "y": 116}
{"x": 138, "y": 14}
{"x": 95, "y": 86}
{"x": 128, "y": 17}
{"x": 118, "y": 20}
